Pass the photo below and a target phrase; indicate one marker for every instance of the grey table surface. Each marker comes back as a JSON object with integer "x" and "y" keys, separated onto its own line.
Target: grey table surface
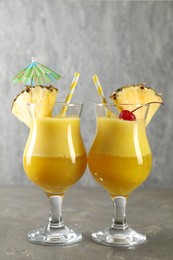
{"x": 88, "y": 209}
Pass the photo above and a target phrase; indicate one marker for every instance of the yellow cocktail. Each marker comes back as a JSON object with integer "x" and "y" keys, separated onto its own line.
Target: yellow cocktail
{"x": 120, "y": 160}
{"x": 55, "y": 157}
{"x": 120, "y": 157}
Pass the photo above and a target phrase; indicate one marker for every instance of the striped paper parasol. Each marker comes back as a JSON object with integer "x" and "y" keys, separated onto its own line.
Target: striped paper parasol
{"x": 35, "y": 74}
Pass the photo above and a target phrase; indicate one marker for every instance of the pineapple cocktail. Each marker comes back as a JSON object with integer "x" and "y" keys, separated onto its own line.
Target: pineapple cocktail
{"x": 120, "y": 164}
{"x": 54, "y": 157}
{"x": 120, "y": 157}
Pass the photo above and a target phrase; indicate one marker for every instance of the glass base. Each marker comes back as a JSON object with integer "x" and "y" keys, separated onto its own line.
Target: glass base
{"x": 57, "y": 236}
{"x": 119, "y": 238}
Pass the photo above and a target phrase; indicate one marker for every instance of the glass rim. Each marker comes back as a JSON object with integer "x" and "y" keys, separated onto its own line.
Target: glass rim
{"x": 57, "y": 103}
{"x": 121, "y": 104}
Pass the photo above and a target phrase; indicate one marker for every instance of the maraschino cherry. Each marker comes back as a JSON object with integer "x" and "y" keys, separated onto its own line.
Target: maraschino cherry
{"x": 127, "y": 115}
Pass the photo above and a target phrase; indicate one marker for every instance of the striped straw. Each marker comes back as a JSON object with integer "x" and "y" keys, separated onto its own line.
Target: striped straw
{"x": 101, "y": 94}
{"x": 99, "y": 89}
{"x": 70, "y": 94}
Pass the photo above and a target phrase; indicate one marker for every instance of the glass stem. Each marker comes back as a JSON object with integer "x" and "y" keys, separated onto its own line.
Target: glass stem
{"x": 119, "y": 215}
{"x": 55, "y": 219}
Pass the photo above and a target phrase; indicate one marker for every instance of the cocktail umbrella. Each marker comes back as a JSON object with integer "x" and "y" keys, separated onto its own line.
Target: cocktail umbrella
{"x": 35, "y": 74}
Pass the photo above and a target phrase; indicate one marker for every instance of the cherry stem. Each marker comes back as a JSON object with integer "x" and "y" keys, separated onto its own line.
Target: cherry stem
{"x": 154, "y": 102}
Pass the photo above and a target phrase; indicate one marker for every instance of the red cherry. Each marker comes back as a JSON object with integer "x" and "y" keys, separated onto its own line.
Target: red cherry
{"x": 127, "y": 115}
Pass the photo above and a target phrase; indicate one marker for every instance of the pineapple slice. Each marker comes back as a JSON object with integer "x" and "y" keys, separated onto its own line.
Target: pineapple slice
{"x": 137, "y": 94}
{"x": 44, "y": 97}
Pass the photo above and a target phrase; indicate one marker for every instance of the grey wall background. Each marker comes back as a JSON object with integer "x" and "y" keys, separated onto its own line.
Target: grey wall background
{"x": 123, "y": 42}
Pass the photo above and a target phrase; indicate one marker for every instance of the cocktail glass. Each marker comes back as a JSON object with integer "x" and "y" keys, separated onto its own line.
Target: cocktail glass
{"x": 55, "y": 159}
{"x": 120, "y": 161}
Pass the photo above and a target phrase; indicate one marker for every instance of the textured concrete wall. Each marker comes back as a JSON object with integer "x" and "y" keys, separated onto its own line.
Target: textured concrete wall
{"x": 123, "y": 42}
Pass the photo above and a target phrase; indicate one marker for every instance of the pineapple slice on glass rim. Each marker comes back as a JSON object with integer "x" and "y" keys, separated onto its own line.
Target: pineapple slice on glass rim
{"x": 43, "y": 96}
{"x": 137, "y": 94}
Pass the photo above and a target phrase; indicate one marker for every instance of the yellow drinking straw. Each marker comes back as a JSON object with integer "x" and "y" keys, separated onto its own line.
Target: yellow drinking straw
{"x": 101, "y": 94}
{"x": 99, "y": 89}
{"x": 70, "y": 94}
